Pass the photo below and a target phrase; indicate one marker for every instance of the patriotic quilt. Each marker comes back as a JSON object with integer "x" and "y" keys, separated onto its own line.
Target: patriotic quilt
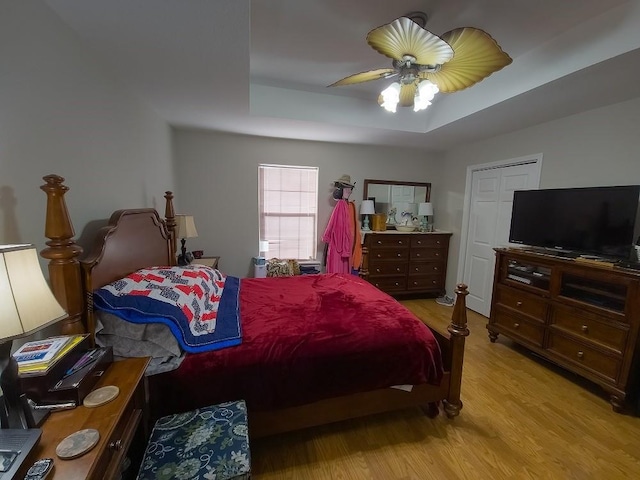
{"x": 198, "y": 303}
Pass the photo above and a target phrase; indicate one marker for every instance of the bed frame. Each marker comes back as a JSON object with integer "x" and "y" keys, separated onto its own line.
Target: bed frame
{"x": 139, "y": 238}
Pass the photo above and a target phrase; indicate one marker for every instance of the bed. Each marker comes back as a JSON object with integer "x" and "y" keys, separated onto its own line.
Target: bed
{"x": 296, "y": 366}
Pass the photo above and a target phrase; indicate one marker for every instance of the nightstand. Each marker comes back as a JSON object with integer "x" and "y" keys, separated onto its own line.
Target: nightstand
{"x": 118, "y": 422}
{"x": 207, "y": 261}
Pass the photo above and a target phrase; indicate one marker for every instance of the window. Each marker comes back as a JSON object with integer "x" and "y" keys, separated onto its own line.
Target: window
{"x": 288, "y": 210}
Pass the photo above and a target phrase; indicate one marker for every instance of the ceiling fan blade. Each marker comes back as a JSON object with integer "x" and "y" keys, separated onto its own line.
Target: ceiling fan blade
{"x": 407, "y": 94}
{"x": 477, "y": 55}
{"x": 405, "y": 37}
{"x": 366, "y": 76}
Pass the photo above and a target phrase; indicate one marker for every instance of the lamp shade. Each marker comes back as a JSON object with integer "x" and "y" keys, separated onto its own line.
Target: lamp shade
{"x": 186, "y": 226}
{"x": 367, "y": 207}
{"x": 26, "y": 301}
{"x": 425, "y": 208}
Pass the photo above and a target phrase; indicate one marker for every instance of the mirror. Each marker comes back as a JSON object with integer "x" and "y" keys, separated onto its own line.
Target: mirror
{"x": 394, "y": 198}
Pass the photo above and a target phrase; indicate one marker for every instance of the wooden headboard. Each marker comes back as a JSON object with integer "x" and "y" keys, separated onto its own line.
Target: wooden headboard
{"x": 133, "y": 239}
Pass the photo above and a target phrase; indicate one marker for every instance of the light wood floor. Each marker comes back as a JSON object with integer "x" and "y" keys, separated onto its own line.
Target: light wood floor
{"x": 522, "y": 418}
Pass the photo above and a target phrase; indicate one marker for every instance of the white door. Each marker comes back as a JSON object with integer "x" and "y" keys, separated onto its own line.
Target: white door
{"x": 489, "y": 223}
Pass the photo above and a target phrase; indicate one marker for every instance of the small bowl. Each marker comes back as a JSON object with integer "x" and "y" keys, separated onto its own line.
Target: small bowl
{"x": 406, "y": 228}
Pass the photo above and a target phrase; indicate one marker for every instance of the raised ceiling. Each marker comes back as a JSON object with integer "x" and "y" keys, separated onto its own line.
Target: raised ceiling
{"x": 262, "y": 67}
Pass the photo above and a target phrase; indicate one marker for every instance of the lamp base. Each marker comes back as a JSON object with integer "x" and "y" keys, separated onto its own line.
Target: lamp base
{"x": 15, "y": 411}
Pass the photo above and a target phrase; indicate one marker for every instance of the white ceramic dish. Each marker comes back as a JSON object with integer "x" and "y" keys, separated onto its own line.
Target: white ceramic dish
{"x": 405, "y": 228}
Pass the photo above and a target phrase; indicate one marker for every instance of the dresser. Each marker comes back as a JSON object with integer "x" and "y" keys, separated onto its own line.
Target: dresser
{"x": 582, "y": 316}
{"x": 121, "y": 423}
{"x": 207, "y": 261}
{"x": 406, "y": 263}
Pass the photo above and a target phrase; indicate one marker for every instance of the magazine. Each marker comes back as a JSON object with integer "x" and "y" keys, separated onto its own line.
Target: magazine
{"x": 41, "y": 368}
{"x": 40, "y": 351}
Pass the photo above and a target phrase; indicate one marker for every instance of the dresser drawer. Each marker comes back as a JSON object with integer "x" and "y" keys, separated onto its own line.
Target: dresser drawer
{"x": 389, "y": 284}
{"x": 520, "y": 327}
{"x": 118, "y": 445}
{"x": 387, "y": 241}
{"x": 530, "y": 305}
{"x": 607, "y": 366}
{"x": 426, "y": 254}
{"x": 589, "y": 329}
{"x": 425, "y": 282}
{"x": 432, "y": 241}
{"x": 427, "y": 268}
{"x": 381, "y": 267}
{"x": 395, "y": 254}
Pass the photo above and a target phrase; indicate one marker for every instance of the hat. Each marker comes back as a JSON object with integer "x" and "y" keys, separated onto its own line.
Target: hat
{"x": 345, "y": 180}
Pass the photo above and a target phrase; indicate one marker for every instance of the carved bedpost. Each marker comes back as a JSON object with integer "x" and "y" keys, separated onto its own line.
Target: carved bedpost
{"x": 62, "y": 253}
{"x": 458, "y": 330}
{"x": 170, "y": 222}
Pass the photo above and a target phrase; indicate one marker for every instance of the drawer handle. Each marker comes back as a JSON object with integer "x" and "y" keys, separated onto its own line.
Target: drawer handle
{"x": 117, "y": 445}
{"x": 437, "y": 254}
{"x": 415, "y": 283}
{"x": 417, "y": 254}
{"x": 435, "y": 268}
{"x": 516, "y": 325}
{"x": 435, "y": 282}
{"x": 378, "y": 270}
{"x": 399, "y": 242}
{"x": 377, "y": 285}
{"x": 518, "y": 304}
{"x": 585, "y": 328}
{"x": 580, "y": 354}
{"x": 438, "y": 242}
{"x": 379, "y": 242}
{"x": 397, "y": 269}
{"x": 417, "y": 269}
{"x": 379, "y": 255}
{"x": 419, "y": 242}
{"x": 397, "y": 284}
{"x": 399, "y": 254}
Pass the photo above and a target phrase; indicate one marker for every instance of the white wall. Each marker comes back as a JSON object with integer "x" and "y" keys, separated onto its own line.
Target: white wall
{"x": 217, "y": 178}
{"x": 598, "y": 147}
{"x": 60, "y": 112}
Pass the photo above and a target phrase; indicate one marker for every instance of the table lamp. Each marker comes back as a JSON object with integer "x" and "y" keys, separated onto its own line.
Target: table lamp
{"x": 425, "y": 210}
{"x": 26, "y": 306}
{"x": 186, "y": 229}
{"x": 367, "y": 208}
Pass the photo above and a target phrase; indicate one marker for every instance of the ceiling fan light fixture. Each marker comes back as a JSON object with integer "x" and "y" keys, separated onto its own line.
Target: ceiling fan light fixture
{"x": 390, "y": 97}
{"x": 424, "y": 95}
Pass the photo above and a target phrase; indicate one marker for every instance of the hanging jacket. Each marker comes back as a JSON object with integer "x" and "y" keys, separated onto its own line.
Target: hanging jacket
{"x": 356, "y": 249}
{"x": 339, "y": 237}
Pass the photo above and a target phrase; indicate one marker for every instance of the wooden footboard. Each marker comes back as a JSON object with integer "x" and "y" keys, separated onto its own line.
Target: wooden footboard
{"x": 138, "y": 238}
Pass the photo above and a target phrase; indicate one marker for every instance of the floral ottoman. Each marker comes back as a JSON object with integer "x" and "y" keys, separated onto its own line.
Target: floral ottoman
{"x": 210, "y": 443}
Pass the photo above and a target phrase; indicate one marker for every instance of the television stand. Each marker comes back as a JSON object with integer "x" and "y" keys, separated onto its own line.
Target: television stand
{"x": 581, "y": 315}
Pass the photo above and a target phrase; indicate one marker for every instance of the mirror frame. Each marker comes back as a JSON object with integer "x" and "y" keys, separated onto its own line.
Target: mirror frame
{"x": 367, "y": 181}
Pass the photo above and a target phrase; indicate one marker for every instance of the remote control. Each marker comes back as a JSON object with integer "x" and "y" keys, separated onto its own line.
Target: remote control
{"x": 40, "y": 469}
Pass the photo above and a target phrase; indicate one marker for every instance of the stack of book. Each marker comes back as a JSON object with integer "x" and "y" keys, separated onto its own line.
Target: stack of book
{"x": 39, "y": 356}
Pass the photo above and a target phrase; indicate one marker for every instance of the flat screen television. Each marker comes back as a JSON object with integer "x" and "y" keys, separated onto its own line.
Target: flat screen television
{"x": 597, "y": 221}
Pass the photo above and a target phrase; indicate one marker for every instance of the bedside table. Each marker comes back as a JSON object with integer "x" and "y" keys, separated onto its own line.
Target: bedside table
{"x": 207, "y": 261}
{"x": 117, "y": 422}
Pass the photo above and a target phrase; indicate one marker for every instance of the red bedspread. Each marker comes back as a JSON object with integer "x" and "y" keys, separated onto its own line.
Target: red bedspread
{"x": 305, "y": 338}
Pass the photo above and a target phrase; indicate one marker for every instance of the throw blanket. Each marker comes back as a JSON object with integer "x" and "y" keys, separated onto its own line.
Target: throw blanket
{"x": 198, "y": 303}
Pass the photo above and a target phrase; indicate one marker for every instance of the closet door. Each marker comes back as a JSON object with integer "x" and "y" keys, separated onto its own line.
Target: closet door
{"x": 489, "y": 223}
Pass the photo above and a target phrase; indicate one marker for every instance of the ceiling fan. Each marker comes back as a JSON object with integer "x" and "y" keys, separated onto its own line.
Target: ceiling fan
{"x": 425, "y": 63}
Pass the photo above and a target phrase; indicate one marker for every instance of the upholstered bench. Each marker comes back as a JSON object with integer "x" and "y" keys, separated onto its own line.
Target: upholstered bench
{"x": 210, "y": 443}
